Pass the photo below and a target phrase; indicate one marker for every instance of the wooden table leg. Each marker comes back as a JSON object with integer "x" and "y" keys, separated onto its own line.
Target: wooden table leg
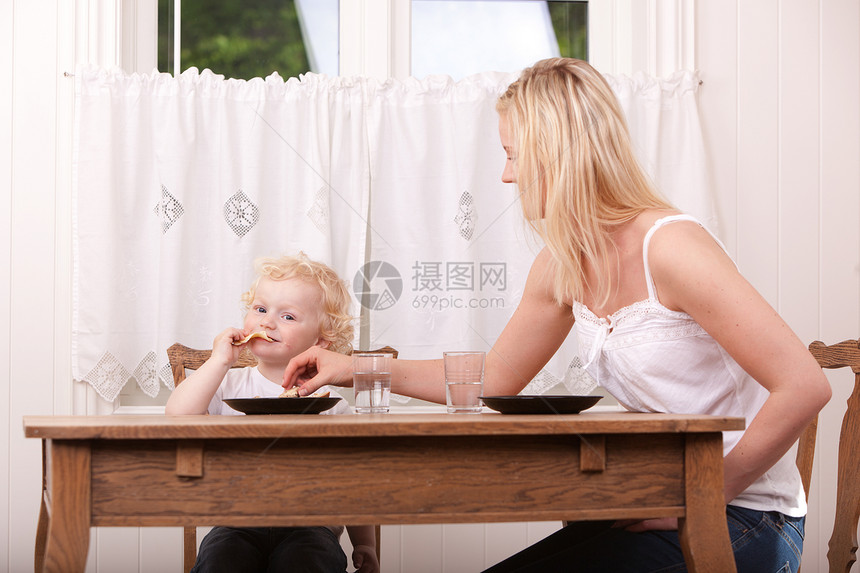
{"x": 41, "y": 536}
{"x": 44, "y": 519}
{"x": 704, "y": 533}
{"x": 67, "y": 535}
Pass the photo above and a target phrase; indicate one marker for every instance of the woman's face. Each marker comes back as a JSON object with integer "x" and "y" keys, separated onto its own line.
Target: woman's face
{"x": 509, "y": 174}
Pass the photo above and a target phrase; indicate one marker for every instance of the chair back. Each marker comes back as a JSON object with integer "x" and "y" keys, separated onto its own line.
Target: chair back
{"x": 843, "y": 541}
{"x": 182, "y": 357}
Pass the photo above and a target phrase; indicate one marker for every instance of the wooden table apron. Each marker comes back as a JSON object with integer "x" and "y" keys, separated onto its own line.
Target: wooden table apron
{"x": 412, "y": 468}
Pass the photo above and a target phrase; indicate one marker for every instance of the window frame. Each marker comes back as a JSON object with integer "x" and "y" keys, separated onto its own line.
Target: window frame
{"x": 624, "y": 36}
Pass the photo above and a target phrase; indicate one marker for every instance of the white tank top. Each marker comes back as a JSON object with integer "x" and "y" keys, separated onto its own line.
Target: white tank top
{"x": 653, "y": 359}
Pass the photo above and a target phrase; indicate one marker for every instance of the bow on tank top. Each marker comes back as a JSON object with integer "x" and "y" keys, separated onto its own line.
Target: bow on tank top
{"x": 653, "y": 359}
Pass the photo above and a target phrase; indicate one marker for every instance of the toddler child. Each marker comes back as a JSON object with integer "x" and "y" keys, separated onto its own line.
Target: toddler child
{"x": 297, "y": 303}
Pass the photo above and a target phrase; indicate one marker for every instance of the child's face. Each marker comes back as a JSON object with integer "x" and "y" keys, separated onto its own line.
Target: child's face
{"x": 290, "y": 312}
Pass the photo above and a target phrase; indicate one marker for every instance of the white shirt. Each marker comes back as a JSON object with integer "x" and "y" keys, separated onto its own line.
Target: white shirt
{"x": 652, "y": 359}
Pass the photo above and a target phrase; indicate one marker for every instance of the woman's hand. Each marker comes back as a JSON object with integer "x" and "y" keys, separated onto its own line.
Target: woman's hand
{"x": 316, "y": 367}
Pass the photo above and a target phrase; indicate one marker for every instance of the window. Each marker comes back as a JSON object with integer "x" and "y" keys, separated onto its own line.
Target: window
{"x": 253, "y": 38}
{"x": 249, "y": 38}
{"x": 570, "y": 22}
{"x": 463, "y": 37}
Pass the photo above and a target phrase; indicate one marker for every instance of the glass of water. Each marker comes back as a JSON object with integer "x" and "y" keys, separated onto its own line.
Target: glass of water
{"x": 464, "y": 381}
{"x": 372, "y": 382}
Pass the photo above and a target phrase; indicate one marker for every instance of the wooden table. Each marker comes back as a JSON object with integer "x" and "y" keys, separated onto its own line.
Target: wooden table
{"x": 365, "y": 469}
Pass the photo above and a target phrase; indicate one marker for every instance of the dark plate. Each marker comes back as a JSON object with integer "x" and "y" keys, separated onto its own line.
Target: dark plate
{"x": 540, "y": 404}
{"x": 307, "y": 405}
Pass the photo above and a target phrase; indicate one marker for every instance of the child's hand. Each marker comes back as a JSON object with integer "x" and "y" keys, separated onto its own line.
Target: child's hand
{"x": 364, "y": 559}
{"x": 223, "y": 349}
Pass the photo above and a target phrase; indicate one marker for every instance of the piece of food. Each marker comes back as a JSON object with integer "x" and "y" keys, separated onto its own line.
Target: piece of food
{"x": 258, "y": 334}
{"x": 294, "y": 393}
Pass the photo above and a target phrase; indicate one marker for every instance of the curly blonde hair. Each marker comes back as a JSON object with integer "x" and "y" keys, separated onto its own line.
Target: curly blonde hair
{"x": 577, "y": 172}
{"x": 337, "y": 324}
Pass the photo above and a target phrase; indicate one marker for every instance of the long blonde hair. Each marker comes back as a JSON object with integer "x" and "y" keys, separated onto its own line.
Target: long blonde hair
{"x": 337, "y": 324}
{"x": 576, "y": 170}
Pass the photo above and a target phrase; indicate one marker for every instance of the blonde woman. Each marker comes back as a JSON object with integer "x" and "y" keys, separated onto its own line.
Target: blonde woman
{"x": 664, "y": 320}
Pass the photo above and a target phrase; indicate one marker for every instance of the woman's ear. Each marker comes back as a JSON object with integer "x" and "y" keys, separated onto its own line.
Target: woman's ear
{"x": 323, "y": 343}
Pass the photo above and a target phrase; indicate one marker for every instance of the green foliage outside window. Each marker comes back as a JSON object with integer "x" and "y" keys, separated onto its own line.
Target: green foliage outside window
{"x": 238, "y": 39}
{"x": 570, "y": 22}
{"x": 253, "y": 38}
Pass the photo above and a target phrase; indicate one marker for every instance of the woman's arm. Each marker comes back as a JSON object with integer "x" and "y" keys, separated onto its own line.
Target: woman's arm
{"x": 196, "y": 391}
{"x": 693, "y": 274}
{"x": 532, "y": 335}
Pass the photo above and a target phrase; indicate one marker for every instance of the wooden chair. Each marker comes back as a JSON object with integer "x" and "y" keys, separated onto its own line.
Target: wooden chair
{"x": 183, "y": 358}
{"x": 843, "y": 540}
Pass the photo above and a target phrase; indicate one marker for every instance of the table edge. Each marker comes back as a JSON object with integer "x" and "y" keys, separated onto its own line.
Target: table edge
{"x": 277, "y": 426}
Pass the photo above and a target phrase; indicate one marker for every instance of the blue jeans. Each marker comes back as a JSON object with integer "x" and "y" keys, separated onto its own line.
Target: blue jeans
{"x": 763, "y": 542}
{"x": 270, "y": 550}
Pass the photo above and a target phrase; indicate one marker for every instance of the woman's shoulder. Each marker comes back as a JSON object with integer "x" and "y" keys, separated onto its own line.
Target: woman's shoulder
{"x": 673, "y": 232}
{"x": 649, "y": 218}
{"x": 682, "y": 255}
{"x": 634, "y": 233}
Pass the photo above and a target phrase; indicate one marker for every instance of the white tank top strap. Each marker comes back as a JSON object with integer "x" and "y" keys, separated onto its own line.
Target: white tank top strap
{"x": 652, "y": 290}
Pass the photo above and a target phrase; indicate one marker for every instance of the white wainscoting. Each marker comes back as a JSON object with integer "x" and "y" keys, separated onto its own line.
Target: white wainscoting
{"x": 781, "y": 113}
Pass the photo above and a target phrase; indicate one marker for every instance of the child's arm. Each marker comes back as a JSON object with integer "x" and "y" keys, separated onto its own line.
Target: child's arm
{"x": 363, "y": 539}
{"x": 196, "y": 391}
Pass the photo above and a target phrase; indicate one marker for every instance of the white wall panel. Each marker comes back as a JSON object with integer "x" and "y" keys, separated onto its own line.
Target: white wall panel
{"x": 389, "y": 551}
{"x": 117, "y": 550}
{"x": 31, "y": 274}
{"x": 6, "y": 429}
{"x": 799, "y": 173}
{"x": 161, "y": 548}
{"x": 758, "y": 144}
{"x": 840, "y": 169}
{"x": 421, "y": 549}
{"x": 717, "y": 62}
{"x": 463, "y": 547}
{"x": 65, "y": 106}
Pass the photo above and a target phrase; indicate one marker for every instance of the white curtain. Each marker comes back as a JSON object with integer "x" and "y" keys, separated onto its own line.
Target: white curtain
{"x": 181, "y": 182}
